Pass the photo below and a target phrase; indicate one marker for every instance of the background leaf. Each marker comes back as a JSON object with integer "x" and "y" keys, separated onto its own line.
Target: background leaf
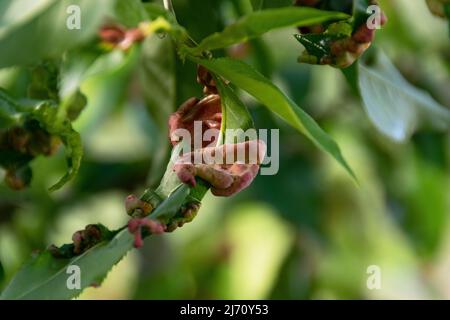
{"x": 130, "y": 13}
{"x": 157, "y": 76}
{"x": 30, "y": 31}
{"x": 266, "y": 4}
{"x": 2, "y": 273}
{"x": 394, "y": 106}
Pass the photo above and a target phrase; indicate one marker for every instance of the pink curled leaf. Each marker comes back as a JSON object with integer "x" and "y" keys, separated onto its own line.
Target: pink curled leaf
{"x": 225, "y": 178}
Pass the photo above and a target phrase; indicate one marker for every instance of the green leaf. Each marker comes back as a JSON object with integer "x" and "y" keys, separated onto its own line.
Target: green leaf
{"x": 73, "y": 70}
{"x": 105, "y": 85}
{"x": 9, "y": 114}
{"x": 45, "y": 277}
{"x": 168, "y": 209}
{"x": 317, "y": 44}
{"x": 257, "y": 23}
{"x": 74, "y": 155}
{"x": 351, "y": 75}
{"x": 170, "y": 182}
{"x": 394, "y": 106}
{"x": 32, "y": 30}
{"x": 248, "y": 79}
{"x": 235, "y": 114}
{"x": 130, "y": 13}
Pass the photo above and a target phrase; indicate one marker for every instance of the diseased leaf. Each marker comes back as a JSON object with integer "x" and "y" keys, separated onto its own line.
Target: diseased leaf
{"x": 46, "y": 113}
{"x": 45, "y": 277}
{"x": 394, "y": 106}
{"x": 259, "y": 22}
{"x": 44, "y": 81}
{"x": 250, "y": 80}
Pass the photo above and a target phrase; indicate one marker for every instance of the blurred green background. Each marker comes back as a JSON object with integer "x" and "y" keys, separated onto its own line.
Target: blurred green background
{"x": 308, "y": 232}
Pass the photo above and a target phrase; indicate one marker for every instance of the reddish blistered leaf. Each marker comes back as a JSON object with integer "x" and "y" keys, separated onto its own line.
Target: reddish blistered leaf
{"x": 225, "y": 178}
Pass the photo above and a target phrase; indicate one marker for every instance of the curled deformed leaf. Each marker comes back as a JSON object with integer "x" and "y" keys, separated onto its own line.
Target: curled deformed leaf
{"x": 207, "y": 112}
{"x": 30, "y": 129}
{"x": 228, "y": 168}
{"x": 47, "y": 115}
